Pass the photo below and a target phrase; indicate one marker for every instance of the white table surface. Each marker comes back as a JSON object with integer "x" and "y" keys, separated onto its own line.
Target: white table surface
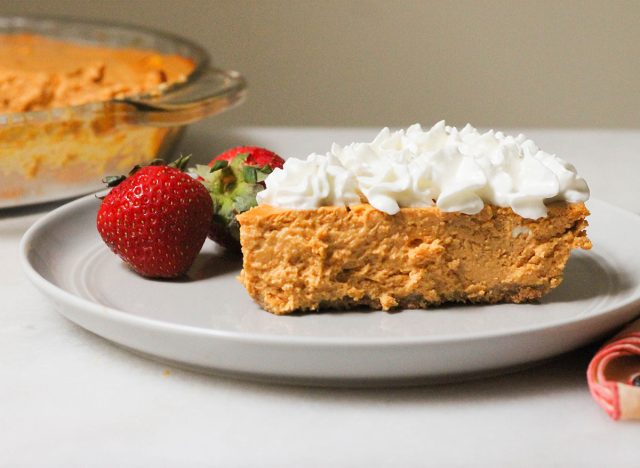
{"x": 69, "y": 398}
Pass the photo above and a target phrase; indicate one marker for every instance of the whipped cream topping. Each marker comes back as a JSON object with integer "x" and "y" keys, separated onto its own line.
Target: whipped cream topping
{"x": 457, "y": 170}
{"x": 318, "y": 180}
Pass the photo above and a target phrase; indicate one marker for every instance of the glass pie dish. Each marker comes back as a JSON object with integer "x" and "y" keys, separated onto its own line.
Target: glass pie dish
{"x": 63, "y": 152}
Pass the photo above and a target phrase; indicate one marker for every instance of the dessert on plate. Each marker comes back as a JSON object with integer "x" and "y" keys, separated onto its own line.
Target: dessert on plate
{"x": 413, "y": 219}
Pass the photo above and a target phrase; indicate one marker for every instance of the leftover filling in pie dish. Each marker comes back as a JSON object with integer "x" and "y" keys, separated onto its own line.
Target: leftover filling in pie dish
{"x": 69, "y": 147}
{"x": 414, "y": 218}
{"x": 38, "y": 73}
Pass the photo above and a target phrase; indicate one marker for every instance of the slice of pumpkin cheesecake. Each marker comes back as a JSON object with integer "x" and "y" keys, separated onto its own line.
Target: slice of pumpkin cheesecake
{"x": 412, "y": 220}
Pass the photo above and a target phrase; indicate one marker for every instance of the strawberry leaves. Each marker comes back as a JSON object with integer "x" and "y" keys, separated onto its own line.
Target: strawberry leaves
{"x": 233, "y": 180}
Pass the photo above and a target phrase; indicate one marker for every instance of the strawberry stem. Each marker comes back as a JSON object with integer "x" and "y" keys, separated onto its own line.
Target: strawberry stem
{"x": 181, "y": 162}
{"x": 112, "y": 181}
{"x": 219, "y": 164}
{"x": 250, "y": 174}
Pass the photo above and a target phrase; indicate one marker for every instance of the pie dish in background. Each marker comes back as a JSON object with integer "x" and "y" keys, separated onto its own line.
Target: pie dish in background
{"x": 57, "y": 152}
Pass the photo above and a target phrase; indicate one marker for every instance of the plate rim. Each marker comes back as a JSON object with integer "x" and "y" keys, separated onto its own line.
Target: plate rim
{"x": 103, "y": 311}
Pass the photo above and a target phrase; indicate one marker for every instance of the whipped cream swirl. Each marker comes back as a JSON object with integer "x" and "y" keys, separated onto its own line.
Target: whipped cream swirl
{"x": 457, "y": 170}
{"x": 318, "y": 180}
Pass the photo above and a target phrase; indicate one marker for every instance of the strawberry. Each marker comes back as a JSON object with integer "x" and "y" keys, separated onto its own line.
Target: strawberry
{"x": 257, "y": 157}
{"x": 156, "y": 219}
{"x": 233, "y": 179}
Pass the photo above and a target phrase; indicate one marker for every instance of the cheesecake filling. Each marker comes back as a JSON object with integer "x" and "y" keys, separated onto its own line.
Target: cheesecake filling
{"x": 455, "y": 170}
{"x": 39, "y": 73}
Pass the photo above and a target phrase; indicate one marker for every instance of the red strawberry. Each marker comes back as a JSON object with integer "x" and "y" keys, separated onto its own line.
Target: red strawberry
{"x": 156, "y": 219}
{"x": 257, "y": 157}
{"x": 233, "y": 179}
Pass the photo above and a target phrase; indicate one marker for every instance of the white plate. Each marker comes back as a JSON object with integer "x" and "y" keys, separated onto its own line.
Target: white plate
{"x": 208, "y": 322}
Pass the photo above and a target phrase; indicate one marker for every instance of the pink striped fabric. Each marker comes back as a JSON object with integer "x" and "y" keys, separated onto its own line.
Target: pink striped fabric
{"x": 607, "y": 392}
